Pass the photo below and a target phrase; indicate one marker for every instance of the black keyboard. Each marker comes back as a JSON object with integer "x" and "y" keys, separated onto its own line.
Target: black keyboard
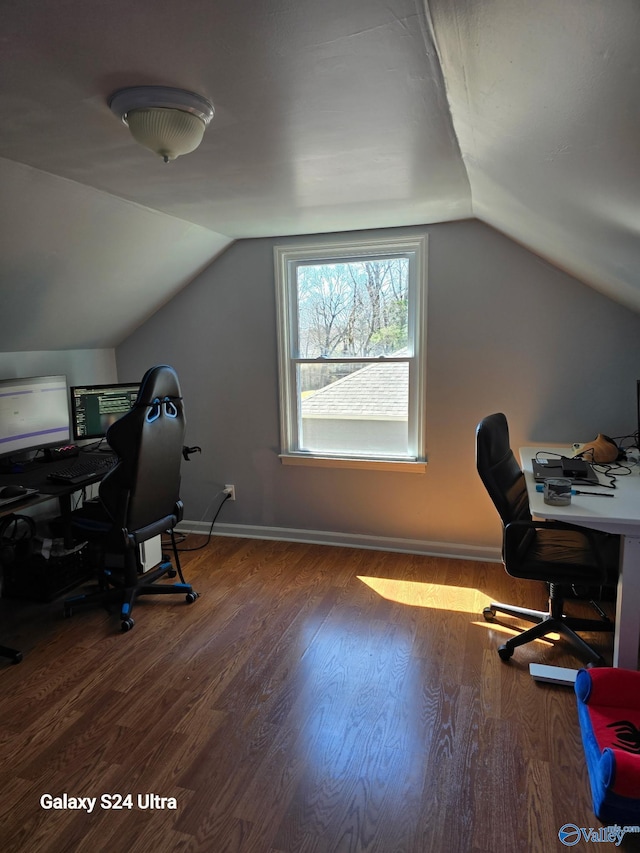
{"x": 83, "y": 469}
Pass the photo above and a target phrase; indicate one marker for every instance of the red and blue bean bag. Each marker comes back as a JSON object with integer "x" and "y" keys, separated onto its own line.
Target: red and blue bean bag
{"x": 609, "y": 716}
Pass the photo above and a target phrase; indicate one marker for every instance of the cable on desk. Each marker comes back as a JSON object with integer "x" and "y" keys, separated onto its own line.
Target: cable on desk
{"x": 606, "y": 471}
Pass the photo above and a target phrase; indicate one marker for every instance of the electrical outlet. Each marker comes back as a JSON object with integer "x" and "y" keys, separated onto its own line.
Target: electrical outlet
{"x": 231, "y": 491}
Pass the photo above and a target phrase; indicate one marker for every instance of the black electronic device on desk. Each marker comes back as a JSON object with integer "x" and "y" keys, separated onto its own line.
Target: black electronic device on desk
{"x": 65, "y": 451}
{"x": 576, "y": 470}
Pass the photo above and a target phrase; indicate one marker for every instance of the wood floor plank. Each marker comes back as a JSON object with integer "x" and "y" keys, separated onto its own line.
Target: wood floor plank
{"x": 312, "y": 700}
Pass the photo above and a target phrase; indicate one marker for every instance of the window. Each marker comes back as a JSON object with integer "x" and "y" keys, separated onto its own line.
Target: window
{"x": 351, "y": 345}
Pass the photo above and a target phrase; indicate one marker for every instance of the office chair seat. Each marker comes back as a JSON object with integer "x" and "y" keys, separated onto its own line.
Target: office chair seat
{"x": 575, "y": 555}
{"x": 563, "y": 556}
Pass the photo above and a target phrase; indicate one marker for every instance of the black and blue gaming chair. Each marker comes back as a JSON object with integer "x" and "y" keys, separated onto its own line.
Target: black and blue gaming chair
{"x": 138, "y": 499}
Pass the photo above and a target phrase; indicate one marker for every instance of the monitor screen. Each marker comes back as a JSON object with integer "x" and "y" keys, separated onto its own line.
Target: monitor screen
{"x": 95, "y": 407}
{"x": 34, "y": 413}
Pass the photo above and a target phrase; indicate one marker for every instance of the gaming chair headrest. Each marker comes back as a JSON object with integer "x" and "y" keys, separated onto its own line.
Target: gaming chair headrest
{"x": 158, "y": 382}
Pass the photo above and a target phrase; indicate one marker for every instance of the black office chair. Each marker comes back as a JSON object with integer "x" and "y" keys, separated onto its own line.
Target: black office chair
{"x": 561, "y": 555}
{"x": 138, "y": 499}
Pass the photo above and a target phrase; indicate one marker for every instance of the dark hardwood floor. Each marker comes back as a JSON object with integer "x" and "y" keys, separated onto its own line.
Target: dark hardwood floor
{"x": 314, "y": 699}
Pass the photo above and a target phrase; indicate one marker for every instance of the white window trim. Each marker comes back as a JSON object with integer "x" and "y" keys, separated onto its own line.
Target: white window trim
{"x": 284, "y": 257}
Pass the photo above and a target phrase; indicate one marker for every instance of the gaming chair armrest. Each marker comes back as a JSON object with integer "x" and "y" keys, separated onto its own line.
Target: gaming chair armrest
{"x": 134, "y": 538}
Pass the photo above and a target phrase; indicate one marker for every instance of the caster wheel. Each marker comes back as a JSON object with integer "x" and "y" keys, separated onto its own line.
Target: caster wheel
{"x": 127, "y": 624}
{"x": 505, "y": 652}
{"x": 17, "y": 657}
{"x": 489, "y": 614}
{"x": 171, "y": 573}
{"x": 191, "y": 597}
{"x": 68, "y": 611}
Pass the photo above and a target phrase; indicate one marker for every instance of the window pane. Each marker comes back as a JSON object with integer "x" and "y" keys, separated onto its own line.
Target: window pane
{"x": 354, "y": 408}
{"x": 353, "y": 308}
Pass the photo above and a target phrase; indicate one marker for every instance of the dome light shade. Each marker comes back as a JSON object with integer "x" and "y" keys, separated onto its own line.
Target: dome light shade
{"x": 169, "y": 133}
{"x": 169, "y": 122}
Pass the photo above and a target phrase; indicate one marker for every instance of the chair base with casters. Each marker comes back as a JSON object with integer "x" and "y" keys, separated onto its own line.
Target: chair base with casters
{"x": 125, "y": 586}
{"x": 553, "y": 621}
{"x": 609, "y": 717}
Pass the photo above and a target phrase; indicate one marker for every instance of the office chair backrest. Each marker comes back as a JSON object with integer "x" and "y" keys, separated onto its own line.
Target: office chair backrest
{"x": 144, "y": 486}
{"x": 499, "y": 470}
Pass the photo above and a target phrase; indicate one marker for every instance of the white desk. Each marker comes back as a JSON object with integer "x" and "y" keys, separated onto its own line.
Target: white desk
{"x": 620, "y": 514}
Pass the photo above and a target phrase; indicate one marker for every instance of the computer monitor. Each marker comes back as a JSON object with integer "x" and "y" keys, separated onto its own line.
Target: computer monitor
{"x": 95, "y": 407}
{"x": 34, "y": 413}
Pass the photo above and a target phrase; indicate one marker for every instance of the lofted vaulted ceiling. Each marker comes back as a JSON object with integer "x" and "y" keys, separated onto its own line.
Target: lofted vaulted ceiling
{"x": 340, "y": 115}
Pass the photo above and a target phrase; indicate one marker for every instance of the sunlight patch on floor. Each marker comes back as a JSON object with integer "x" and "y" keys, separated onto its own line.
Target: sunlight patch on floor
{"x": 437, "y": 596}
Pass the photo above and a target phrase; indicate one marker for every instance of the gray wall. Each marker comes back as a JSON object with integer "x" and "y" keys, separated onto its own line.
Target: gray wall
{"x": 506, "y": 332}
{"x": 81, "y": 367}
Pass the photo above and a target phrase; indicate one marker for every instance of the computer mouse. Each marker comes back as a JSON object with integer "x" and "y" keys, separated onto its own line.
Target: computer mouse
{"x": 13, "y": 491}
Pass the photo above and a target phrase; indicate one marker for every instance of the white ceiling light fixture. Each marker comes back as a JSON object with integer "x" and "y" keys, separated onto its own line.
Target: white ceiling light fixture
{"x": 169, "y": 122}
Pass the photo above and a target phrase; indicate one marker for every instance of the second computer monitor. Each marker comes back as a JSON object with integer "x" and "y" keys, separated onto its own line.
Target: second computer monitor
{"x": 95, "y": 407}
{"x": 34, "y": 413}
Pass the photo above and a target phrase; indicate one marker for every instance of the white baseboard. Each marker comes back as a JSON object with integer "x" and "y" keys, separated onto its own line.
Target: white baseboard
{"x": 346, "y": 540}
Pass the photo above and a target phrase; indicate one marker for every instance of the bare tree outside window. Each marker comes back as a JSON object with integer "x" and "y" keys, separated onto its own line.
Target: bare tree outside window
{"x": 351, "y": 328}
{"x": 350, "y": 310}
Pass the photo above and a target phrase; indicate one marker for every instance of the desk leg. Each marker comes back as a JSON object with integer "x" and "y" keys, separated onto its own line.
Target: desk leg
{"x": 64, "y": 502}
{"x": 627, "y": 631}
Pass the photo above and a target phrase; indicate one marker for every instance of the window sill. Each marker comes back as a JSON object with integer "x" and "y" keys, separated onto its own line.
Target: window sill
{"x": 408, "y": 467}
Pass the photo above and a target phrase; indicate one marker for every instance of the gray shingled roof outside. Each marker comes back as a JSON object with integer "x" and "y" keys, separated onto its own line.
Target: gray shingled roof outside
{"x": 379, "y": 391}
